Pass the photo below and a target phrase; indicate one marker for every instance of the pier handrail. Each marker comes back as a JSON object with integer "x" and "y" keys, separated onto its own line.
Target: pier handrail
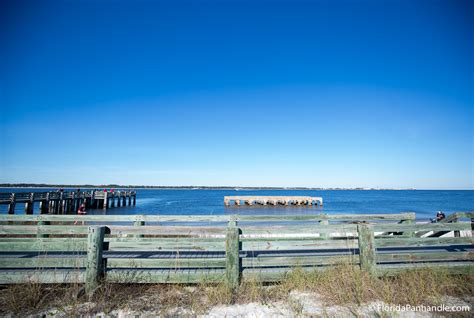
{"x": 61, "y": 202}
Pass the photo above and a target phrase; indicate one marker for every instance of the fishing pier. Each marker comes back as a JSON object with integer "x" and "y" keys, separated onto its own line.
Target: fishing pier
{"x": 62, "y": 202}
{"x": 273, "y": 200}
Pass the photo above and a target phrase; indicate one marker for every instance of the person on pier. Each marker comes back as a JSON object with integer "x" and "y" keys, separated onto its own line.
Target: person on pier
{"x": 81, "y": 211}
{"x": 439, "y": 216}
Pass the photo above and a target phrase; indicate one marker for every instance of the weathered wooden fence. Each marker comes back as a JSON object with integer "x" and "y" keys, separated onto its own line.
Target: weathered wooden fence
{"x": 192, "y": 249}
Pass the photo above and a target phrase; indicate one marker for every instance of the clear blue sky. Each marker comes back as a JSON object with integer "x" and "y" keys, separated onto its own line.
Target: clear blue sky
{"x": 246, "y": 93}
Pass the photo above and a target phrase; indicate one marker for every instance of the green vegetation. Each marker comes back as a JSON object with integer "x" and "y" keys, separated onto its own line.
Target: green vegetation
{"x": 119, "y": 186}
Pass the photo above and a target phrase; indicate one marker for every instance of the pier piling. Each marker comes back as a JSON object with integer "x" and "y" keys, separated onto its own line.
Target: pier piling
{"x": 11, "y": 205}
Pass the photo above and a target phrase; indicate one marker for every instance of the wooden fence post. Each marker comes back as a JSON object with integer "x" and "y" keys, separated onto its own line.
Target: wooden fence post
{"x": 94, "y": 266}
{"x": 139, "y": 222}
{"x": 324, "y": 222}
{"x": 232, "y": 260}
{"x": 410, "y": 233}
{"x": 40, "y": 223}
{"x": 366, "y": 248}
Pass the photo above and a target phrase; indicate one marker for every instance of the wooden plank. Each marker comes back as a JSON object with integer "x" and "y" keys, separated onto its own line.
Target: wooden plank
{"x": 166, "y": 239}
{"x": 56, "y": 276}
{"x": 295, "y": 261}
{"x": 298, "y": 229}
{"x": 424, "y": 256}
{"x": 43, "y": 262}
{"x": 299, "y": 245}
{"x": 158, "y": 245}
{"x": 256, "y": 231}
{"x": 71, "y": 244}
{"x": 427, "y": 241}
{"x": 42, "y": 229}
{"x": 191, "y": 231}
{"x": 422, "y": 227}
{"x": 294, "y": 237}
{"x": 125, "y": 243}
{"x": 205, "y": 218}
{"x": 116, "y": 230}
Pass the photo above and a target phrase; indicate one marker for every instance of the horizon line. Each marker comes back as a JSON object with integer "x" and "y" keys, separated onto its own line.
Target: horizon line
{"x": 113, "y": 185}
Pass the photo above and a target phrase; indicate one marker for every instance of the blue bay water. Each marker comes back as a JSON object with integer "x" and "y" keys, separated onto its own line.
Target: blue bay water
{"x": 210, "y": 202}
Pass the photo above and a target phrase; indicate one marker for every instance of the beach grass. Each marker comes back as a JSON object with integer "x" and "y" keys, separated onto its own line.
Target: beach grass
{"x": 339, "y": 285}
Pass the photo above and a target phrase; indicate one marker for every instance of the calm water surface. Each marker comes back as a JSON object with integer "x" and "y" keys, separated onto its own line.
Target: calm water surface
{"x": 205, "y": 202}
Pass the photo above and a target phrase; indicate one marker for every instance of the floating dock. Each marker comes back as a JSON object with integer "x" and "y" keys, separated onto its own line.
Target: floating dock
{"x": 62, "y": 202}
{"x": 273, "y": 200}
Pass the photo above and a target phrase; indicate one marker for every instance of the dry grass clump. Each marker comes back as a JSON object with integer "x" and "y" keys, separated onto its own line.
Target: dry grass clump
{"x": 31, "y": 298}
{"x": 22, "y": 299}
{"x": 338, "y": 285}
{"x": 346, "y": 283}
{"x": 425, "y": 286}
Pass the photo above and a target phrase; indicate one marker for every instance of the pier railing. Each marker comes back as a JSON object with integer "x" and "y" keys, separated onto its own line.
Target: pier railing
{"x": 193, "y": 249}
{"x": 62, "y": 202}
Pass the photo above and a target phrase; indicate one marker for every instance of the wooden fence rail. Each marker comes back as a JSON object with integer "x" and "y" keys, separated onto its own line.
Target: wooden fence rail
{"x": 108, "y": 219}
{"x": 167, "y": 249}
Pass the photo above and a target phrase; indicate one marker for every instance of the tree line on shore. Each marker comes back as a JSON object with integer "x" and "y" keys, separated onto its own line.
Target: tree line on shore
{"x": 45, "y": 185}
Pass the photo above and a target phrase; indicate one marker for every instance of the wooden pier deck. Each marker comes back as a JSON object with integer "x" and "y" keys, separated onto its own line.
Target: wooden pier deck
{"x": 62, "y": 202}
{"x": 273, "y": 200}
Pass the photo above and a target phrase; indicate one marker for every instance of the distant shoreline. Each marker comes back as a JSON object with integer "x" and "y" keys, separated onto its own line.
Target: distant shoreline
{"x": 33, "y": 185}
{"x": 213, "y": 188}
